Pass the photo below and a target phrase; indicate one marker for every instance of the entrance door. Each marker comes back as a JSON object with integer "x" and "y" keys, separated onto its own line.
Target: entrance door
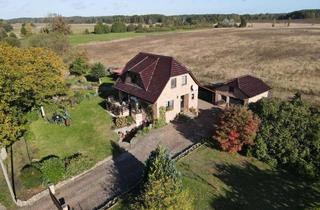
{"x": 182, "y": 104}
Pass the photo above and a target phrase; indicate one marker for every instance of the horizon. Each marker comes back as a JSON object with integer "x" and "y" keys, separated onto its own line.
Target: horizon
{"x": 91, "y": 8}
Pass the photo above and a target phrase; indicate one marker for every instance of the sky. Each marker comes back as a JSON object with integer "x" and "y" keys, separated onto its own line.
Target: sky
{"x": 41, "y": 8}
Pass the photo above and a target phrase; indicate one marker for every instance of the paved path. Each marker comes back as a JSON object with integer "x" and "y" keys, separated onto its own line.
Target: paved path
{"x": 97, "y": 186}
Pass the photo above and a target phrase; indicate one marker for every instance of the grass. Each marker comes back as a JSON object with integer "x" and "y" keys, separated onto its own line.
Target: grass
{"x": 90, "y": 133}
{"x": 76, "y": 39}
{"x": 218, "y": 180}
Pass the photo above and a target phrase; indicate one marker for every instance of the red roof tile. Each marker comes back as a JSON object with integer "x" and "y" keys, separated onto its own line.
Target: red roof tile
{"x": 154, "y": 71}
{"x": 249, "y": 85}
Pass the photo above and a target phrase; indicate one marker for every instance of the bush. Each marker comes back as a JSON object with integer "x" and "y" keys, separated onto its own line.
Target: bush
{"x": 98, "y": 70}
{"x": 53, "y": 169}
{"x": 118, "y": 27}
{"x": 289, "y": 135}
{"x": 101, "y": 28}
{"x": 15, "y": 42}
{"x": 77, "y": 164}
{"x": 161, "y": 121}
{"x": 31, "y": 176}
{"x": 121, "y": 122}
{"x": 79, "y": 67}
{"x": 131, "y": 27}
{"x": 237, "y": 127}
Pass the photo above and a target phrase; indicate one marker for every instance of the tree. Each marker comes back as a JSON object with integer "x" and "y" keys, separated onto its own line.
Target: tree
{"x": 101, "y": 28}
{"x": 79, "y": 67}
{"x": 26, "y": 29}
{"x": 118, "y": 27}
{"x": 289, "y": 135}
{"x": 98, "y": 70}
{"x": 162, "y": 185}
{"x": 131, "y": 27}
{"x": 243, "y": 22}
{"x": 237, "y": 127}
{"x": 140, "y": 28}
{"x": 56, "y": 42}
{"x": 28, "y": 78}
{"x": 58, "y": 24}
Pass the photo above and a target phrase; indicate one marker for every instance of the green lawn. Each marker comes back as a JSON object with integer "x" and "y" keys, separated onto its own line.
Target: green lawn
{"x": 90, "y": 133}
{"x": 76, "y": 39}
{"x": 218, "y": 180}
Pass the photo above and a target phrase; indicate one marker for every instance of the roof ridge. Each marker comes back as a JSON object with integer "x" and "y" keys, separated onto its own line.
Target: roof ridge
{"x": 138, "y": 63}
{"x": 157, "y": 61}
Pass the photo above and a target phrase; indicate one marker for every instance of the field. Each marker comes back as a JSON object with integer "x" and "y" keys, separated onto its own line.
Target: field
{"x": 287, "y": 58}
{"x": 76, "y": 39}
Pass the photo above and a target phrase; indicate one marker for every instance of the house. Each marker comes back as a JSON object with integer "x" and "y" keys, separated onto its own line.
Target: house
{"x": 242, "y": 90}
{"x": 157, "y": 81}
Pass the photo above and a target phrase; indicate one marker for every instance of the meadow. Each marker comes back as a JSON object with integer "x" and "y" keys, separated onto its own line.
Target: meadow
{"x": 287, "y": 58}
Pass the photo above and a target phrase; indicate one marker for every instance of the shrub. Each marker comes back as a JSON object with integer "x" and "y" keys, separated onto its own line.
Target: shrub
{"x": 101, "y": 28}
{"x": 289, "y": 135}
{"x": 161, "y": 121}
{"x": 118, "y": 27}
{"x": 53, "y": 169}
{"x": 13, "y": 41}
{"x": 79, "y": 67}
{"x": 121, "y": 122}
{"x": 31, "y": 176}
{"x": 98, "y": 70}
{"x": 131, "y": 27}
{"x": 237, "y": 127}
{"x": 77, "y": 164}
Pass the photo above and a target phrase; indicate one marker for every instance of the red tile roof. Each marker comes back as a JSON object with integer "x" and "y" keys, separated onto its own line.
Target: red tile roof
{"x": 154, "y": 71}
{"x": 249, "y": 85}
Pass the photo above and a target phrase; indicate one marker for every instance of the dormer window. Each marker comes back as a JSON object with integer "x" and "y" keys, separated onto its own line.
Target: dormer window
{"x": 133, "y": 79}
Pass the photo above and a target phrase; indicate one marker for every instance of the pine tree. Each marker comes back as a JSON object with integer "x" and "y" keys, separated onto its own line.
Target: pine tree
{"x": 162, "y": 187}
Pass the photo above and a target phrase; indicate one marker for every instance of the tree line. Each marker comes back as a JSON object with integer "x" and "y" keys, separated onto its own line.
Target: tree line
{"x": 178, "y": 19}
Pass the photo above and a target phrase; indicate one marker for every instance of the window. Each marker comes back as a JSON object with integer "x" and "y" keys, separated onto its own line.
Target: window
{"x": 192, "y": 96}
{"x": 169, "y": 105}
{"x": 173, "y": 82}
{"x": 184, "y": 79}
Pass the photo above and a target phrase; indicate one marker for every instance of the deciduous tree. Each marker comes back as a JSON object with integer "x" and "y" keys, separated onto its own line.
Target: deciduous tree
{"x": 237, "y": 127}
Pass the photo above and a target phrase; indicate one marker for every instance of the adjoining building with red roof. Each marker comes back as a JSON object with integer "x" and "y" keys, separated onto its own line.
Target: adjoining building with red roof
{"x": 160, "y": 81}
{"x": 242, "y": 90}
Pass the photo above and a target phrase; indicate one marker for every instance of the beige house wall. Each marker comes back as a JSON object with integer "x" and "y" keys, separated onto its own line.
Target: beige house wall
{"x": 258, "y": 97}
{"x": 175, "y": 94}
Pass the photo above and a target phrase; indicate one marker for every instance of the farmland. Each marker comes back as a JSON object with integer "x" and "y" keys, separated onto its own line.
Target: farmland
{"x": 287, "y": 58}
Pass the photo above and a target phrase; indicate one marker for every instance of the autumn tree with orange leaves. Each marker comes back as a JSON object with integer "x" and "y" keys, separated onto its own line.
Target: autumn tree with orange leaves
{"x": 237, "y": 126}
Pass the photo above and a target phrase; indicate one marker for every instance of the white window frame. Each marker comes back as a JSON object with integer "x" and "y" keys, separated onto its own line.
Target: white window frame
{"x": 184, "y": 80}
{"x": 175, "y": 83}
{"x": 169, "y": 105}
